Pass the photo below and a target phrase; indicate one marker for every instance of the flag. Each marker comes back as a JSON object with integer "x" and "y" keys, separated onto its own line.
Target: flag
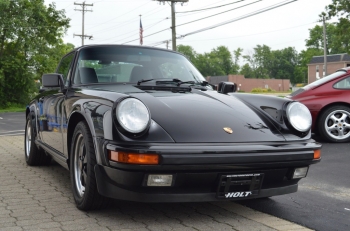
{"x": 141, "y": 33}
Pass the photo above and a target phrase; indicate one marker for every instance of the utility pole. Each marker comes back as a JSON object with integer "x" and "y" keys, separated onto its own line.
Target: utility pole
{"x": 173, "y": 21}
{"x": 324, "y": 47}
{"x": 83, "y": 10}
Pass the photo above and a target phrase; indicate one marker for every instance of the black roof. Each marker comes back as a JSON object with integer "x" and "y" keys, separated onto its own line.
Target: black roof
{"x": 331, "y": 58}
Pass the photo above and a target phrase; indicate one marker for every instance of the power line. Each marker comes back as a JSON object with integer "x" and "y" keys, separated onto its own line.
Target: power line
{"x": 147, "y": 36}
{"x": 255, "y": 34}
{"x": 220, "y": 13}
{"x": 210, "y": 8}
{"x": 239, "y": 18}
{"x": 127, "y": 22}
{"x": 134, "y": 31}
{"x": 123, "y": 14}
{"x": 226, "y": 22}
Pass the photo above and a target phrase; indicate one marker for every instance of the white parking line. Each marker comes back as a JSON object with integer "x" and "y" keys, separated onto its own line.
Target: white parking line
{"x": 15, "y": 134}
{"x": 13, "y": 131}
{"x": 347, "y": 209}
{"x": 0, "y": 118}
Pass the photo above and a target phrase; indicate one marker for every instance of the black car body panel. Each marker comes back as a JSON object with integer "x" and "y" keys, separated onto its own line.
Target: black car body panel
{"x": 186, "y": 130}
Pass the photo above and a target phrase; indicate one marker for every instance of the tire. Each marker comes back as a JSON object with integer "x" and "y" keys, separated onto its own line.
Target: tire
{"x": 34, "y": 156}
{"x": 334, "y": 124}
{"x": 82, "y": 174}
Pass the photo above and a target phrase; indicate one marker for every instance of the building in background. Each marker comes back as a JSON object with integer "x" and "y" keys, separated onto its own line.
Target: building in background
{"x": 247, "y": 85}
{"x": 334, "y": 62}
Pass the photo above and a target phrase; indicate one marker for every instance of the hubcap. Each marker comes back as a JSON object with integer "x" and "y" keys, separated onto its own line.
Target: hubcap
{"x": 337, "y": 124}
{"x": 80, "y": 165}
{"x": 28, "y": 138}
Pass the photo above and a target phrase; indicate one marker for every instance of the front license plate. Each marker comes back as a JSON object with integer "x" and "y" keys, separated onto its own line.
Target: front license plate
{"x": 239, "y": 186}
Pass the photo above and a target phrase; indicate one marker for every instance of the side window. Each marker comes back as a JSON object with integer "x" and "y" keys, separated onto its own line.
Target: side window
{"x": 64, "y": 66}
{"x": 343, "y": 84}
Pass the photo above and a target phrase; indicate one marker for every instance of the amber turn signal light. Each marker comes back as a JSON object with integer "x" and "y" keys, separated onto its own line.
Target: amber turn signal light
{"x": 134, "y": 158}
{"x": 317, "y": 154}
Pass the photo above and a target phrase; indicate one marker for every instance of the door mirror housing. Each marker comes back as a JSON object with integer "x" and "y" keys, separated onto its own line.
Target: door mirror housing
{"x": 226, "y": 87}
{"x": 53, "y": 80}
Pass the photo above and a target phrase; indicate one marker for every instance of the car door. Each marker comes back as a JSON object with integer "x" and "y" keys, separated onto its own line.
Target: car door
{"x": 52, "y": 115}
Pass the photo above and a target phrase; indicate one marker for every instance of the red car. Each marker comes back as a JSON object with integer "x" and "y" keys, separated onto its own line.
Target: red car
{"x": 328, "y": 100}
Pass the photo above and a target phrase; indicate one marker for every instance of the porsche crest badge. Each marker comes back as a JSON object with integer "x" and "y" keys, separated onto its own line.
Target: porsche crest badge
{"x": 228, "y": 130}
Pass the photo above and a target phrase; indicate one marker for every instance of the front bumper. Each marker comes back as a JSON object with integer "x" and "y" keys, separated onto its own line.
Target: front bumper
{"x": 195, "y": 188}
{"x": 197, "y": 171}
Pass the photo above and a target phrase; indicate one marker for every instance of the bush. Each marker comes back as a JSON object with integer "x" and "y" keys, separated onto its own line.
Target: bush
{"x": 262, "y": 90}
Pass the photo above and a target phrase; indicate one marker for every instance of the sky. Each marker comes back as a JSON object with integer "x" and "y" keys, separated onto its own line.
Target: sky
{"x": 118, "y": 22}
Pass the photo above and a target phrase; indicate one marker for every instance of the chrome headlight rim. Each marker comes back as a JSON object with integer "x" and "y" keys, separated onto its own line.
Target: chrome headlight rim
{"x": 297, "y": 126}
{"x": 122, "y": 126}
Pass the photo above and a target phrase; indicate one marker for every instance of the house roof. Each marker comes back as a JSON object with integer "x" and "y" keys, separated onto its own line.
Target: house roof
{"x": 331, "y": 58}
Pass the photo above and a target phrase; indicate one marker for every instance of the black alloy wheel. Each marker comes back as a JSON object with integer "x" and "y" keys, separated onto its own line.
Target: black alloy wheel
{"x": 82, "y": 174}
{"x": 33, "y": 155}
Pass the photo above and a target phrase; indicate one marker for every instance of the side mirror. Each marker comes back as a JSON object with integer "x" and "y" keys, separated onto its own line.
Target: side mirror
{"x": 53, "y": 80}
{"x": 226, "y": 87}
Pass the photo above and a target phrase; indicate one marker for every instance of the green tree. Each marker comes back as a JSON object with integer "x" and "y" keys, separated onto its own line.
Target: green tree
{"x": 222, "y": 57}
{"x": 339, "y": 8}
{"x": 247, "y": 71}
{"x": 336, "y": 41}
{"x": 189, "y": 52}
{"x": 28, "y": 30}
{"x": 260, "y": 61}
{"x": 283, "y": 63}
{"x": 237, "y": 54}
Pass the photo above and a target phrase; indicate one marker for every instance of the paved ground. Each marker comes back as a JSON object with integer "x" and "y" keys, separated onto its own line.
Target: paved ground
{"x": 40, "y": 198}
{"x": 12, "y": 123}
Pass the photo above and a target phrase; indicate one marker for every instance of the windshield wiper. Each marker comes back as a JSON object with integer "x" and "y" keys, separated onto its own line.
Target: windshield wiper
{"x": 177, "y": 82}
{"x": 143, "y": 80}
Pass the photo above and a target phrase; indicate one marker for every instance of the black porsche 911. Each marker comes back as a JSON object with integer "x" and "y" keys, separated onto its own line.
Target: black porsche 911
{"x": 142, "y": 124}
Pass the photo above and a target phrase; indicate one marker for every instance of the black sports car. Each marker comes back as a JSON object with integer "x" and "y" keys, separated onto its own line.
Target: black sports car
{"x": 142, "y": 124}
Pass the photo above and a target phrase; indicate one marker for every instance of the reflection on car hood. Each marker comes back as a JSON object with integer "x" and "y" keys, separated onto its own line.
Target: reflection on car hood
{"x": 204, "y": 117}
{"x": 199, "y": 116}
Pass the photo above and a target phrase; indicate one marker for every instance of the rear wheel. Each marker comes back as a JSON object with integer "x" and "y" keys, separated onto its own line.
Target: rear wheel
{"x": 334, "y": 124}
{"x": 82, "y": 162}
{"x": 33, "y": 155}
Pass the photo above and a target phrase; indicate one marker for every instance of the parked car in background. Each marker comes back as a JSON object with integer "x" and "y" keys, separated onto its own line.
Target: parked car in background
{"x": 142, "y": 124}
{"x": 328, "y": 100}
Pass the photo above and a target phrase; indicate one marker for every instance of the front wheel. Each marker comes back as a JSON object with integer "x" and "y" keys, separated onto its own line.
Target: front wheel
{"x": 82, "y": 174}
{"x": 33, "y": 155}
{"x": 334, "y": 124}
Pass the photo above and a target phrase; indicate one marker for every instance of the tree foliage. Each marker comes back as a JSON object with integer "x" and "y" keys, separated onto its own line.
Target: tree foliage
{"x": 30, "y": 42}
{"x": 219, "y": 61}
{"x": 339, "y": 8}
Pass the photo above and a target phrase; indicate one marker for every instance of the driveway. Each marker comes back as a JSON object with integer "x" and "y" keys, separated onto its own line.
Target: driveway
{"x": 40, "y": 198}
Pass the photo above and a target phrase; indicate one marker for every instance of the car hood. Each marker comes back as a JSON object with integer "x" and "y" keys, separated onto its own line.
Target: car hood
{"x": 200, "y": 116}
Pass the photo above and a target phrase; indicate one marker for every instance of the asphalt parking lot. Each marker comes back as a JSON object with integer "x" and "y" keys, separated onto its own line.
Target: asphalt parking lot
{"x": 40, "y": 198}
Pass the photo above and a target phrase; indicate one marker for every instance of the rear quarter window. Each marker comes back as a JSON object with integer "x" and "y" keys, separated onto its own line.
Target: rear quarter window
{"x": 342, "y": 84}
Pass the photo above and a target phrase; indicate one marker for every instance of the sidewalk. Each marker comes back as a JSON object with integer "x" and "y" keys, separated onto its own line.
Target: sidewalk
{"x": 40, "y": 198}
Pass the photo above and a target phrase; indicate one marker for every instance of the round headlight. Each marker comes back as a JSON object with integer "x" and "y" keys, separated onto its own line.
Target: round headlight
{"x": 133, "y": 115}
{"x": 299, "y": 116}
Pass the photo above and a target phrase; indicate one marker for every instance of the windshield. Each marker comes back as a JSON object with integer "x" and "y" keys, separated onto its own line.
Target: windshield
{"x": 122, "y": 64}
{"x": 325, "y": 79}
